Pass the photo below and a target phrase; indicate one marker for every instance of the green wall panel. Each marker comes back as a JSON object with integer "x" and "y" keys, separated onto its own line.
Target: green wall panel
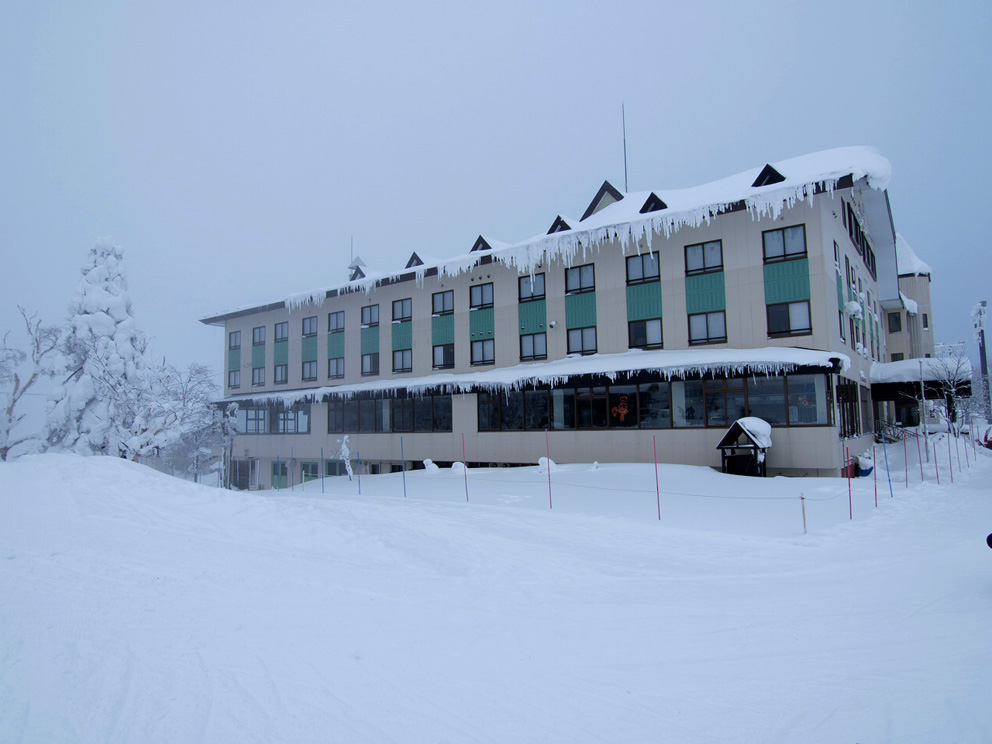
{"x": 532, "y": 316}
{"x": 308, "y": 353}
{"x": 443, "y": 329}
{"x": 257, "y": 356}
{"x": 370, "y": 340}
{"x": 580, "y": 310}
{"x": 280, "y": 352}
{"x": 402, "y": 335}
{"x": 482, "y": 323}
{"x": 233, "y": 359}
{"x": 644, "y": 301}
{"x": 335, "y": 345}
{"x": 840, "y": 293}
{"x": 704, "y": 293}
{"x": 787, "y": 281}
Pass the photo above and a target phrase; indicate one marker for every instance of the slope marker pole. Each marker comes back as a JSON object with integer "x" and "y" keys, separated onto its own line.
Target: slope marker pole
{"x": 874, "y": 472}
{"x": 657, "y": 483}
{"x": 547, "y": 442}
{"x": 850, "y": 499}
{"x": 465, "y": 467}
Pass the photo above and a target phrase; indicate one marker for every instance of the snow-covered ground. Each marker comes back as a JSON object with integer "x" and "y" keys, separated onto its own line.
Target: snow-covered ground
{"x": 139, "y": 608}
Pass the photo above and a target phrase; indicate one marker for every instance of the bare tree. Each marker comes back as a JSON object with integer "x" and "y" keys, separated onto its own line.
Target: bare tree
{"x": 42, "y": 343}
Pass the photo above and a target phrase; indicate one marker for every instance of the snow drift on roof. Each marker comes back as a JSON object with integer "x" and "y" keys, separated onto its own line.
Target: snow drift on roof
{"x": 758, "y": 429}
{"x": 931, "y": 369}
{"x": 907, "y": 261}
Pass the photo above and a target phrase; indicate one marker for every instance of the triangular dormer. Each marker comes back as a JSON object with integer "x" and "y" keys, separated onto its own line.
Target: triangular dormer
{"x": 481, "y": 245}
{"x": 415, "y": 260}
{"x": 604, "y": 197}
{"x": 559, "y": 225}
{"x": 653, "y": 203}
{"x": 356, "y": 273}
{"x": 767, "y": 177}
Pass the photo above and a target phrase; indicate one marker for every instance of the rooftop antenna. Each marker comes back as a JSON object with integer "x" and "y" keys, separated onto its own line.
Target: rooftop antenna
{"x": 352, "y": 258}
{"x": 623, "y": 119}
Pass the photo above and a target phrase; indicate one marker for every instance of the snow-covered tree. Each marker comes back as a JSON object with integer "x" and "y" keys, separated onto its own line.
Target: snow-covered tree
{"x": 19, "y": 371}
{"x": 105, "y": 402}
{"x": 197, "y": 432}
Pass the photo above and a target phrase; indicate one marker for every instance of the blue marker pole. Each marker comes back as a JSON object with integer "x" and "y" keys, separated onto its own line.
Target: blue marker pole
{"x": 323, "y": 467}
{"x": 358, "y": 455}
{"x": 292, "y": 469}
{"x": 403, "y": 465}
{"x": 278, "y": 473}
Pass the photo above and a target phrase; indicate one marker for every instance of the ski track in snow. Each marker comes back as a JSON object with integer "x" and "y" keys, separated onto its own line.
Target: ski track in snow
{"x": 134, "y": 607}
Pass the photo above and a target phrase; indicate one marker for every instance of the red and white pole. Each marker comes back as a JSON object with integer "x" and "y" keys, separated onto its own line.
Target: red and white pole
{"x": 465, "y": 466}
{"x": 547, "y": 442}
{"x": 657, "y": 483}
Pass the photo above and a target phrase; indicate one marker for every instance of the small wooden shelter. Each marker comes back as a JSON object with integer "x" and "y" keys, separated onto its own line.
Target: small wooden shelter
{"x": 745, "y": 445}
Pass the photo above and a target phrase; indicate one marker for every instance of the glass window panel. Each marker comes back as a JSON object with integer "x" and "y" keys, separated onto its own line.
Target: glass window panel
{"x": 766, "y": 398}
{"x": 799, "y": 317}
{"x": 635, "y": 269}
{"x": 655, "y": 406}
{"x": 774, "y": 245}
{"x": 807, "y": 399}
{"x": 563, "y": 409}
{"x": 687, "y": 403}
{"x": 513, "y": 409}
{"x": 697, "y": 328}
{"x": 795, "y": 240}
{"x": 442, "y": 413}
{"x": 694, "y": 258}
{"x": 536, "y": 407}
{"x": 717, "y": 325}
{"x": 623, "y": 406}
{"x": 713, "y": 254}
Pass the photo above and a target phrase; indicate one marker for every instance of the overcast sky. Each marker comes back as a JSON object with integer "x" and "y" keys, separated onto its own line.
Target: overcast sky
{"x": 234, "y": 149}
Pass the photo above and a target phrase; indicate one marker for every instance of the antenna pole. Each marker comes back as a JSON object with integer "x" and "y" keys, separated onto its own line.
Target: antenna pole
{"x": 623, "y": 119}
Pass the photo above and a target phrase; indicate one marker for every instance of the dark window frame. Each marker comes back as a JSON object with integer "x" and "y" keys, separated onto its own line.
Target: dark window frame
{"x": 276, "y": 369}
{"x": 234, "y": 340}
{"x": 234, "y": 378}
{"x": 334, "y": 374}
{"x": 639, "y": 260}
{"x": 534, "y": 355}
{"x": 785, "y": 256}
{"x": 446, "y": 351}
{"x": 405, "y": 310}
{"x": 645, "y": 345}
{"x": 257, "y": 376}
{"x": 705, "y": 269}
{"x": 580, "y": 281}
{"x": 481, "y": 302}
{"x": 791, "y": 331}
{"x": 370, "y": 316}
{"x": 532, "y": 295}
{"x": 405, "y": 355}
{"x": 372, "y": 368}
{"x": 258, "y": 336}
{"x": 483, "y": 344}
{"x": 447, "y": 301}
{"x": 583, "y": 350}
{"x": 335, "y": 322}
{"x": 710, "y": 339}
{"x": 308, "y": 371}
{"x": 281, "y": 331}
{"x": 309, "y": 326}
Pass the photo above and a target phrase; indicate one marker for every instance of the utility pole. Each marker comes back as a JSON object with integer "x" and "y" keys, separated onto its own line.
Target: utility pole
{"x": 978, "y": 315}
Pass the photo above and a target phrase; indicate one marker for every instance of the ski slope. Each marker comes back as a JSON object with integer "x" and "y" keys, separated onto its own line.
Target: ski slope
{"x": 139, "y": 608}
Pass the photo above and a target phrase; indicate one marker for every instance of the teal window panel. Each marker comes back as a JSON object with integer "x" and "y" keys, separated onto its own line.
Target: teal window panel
{"x": 233, "y": 359}
{"x": 257, "y": 356}
{"x": 280, "y": 352}
{"x": 309, "y": 351}
{"x": 644, "y": 301}
{"x": 580, "y": 310}
{"x": 443, "y": 329}
{"x": 482, "y": 323}
{"x": 370, "y": 340}
{"x": 402, "y": 335}
{"x": 705, "y": 293}
{"x": 840, "y": 293}
{"x": 532, "y": 316}
{"x": 787, "y": 281}
{"x": 335, "y": 345}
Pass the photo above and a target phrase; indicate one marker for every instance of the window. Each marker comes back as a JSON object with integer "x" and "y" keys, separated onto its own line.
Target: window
{"x": 370, "y": 315}
{"x": 234, "y": 340}
{"x": 258, "y": 376}
{"x": 926, "y": 322}
{"x": 580, "y": 279}
{"x": 484, "y": 352}
{"x": 295, "y": 420}
{"x": 258, "y": 336}
{"x": 335, "y": 322}
{"x": 234, "y": 378}
{"x": 582, "y": 340}
{"x": 708, "y": 328}
{"x": 370, "y": 364}
{"x": 403, "y": 360}
{"x": 789, "y": 319}
{"x": 444, "y": 356}
{"x": 402, "y": 310}
{"x": 531, "y": 287}
{"x": 335, "y": 415}
{"x": 309, "y": 371}
{"x": 309, "y": 471}
{"x": 443, "y": 303}
{"x": 256, "y": 421}
{"x": 703, "y": 258}
{"x": 840, "y": 320}
{"x": 335, "y": 368}
{"x": 282, "y": 331}
{"x": 481, "y": 295}
{"x": 847, "y": 405}
{"x": 280, "y": 374}
{"x": 533, "y": 346}
{"x": 895, "y": 322}
{"x": 785, "y": 244}
{"x": 643, "y": 268}
{"x": 898, "y": 356}
{"x": 644, "y": 334}
{"x": 310, "y": 326}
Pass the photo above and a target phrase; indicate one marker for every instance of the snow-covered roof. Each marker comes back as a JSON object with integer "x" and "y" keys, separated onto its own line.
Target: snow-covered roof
{"x": 670, "y": 364}
{"x": 929, "y": 369}
{"x": 758, "y": 429}
{"x": 908, "y": 262}
{"x": 802, "y": 177}
{"x": 912, "y": 307}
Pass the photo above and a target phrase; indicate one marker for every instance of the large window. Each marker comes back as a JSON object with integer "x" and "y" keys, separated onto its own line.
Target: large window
{"x": 643, "y": 268}
{"x": 402, "y": 413}
{"x": 533, "y": 346}
{"x": 847, "y": 405}
{"x": 443, "y": 303}
{"x": 444, "y": 356}
{"x": 402, "y": 310}
{"x": 370, "y": 315}
{"x": 258, "y": 376}
{"x": 280, "y": 374}
{"x": 703, "y": 258}
{"x": 335, "y": 368}
{"x": 256, "y": 421}
{"x": 708, "y": 328}
{"x": 234, "y": 378}
{"x": 370, "y": 364}
{"x": 310, "y": 326}
{"x": 403, "y": 360}
{"x": 531, "y": 287}
{"x": 644, "y": 334}
{"x": 484, "y": 352}
{"x": 785, "y": 243}
{"x": 258, "y": 336}
{"x": 294, "y": 420}
{"x": 480, "y": 296}
{"x": 789, "y": 319}
{"x": 282, "y": 331}
{"x": 582, "y": 340}
{"x": 309, "y": 371}
{"x": 234, "y": 340}
{"x": 580, "y": 279}
{"x": 335, "y": 322}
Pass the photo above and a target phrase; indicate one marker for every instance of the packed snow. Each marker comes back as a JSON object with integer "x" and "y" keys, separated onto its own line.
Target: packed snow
{"x": 908, "y": 263}
{"x": 454, "y": 605}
